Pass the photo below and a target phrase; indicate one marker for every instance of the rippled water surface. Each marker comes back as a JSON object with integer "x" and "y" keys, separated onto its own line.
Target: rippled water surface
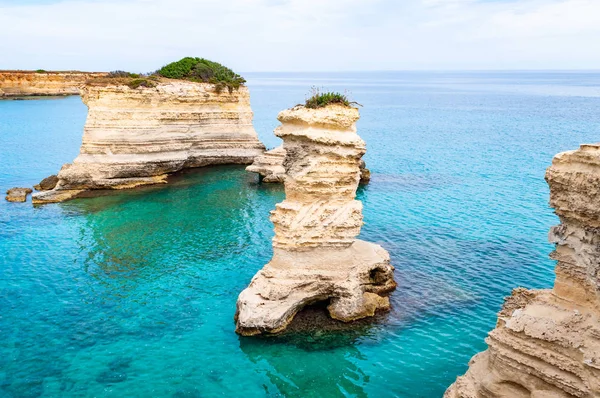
{"x": 133, "y": 294}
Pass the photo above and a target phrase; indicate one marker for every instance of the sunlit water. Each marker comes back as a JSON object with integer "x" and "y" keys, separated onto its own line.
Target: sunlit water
{"x": 133, "y": 294}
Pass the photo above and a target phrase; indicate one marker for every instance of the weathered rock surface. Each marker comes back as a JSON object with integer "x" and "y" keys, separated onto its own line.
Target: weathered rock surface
{"x": 136, "y": 137}
{"x": 47, "y": 183}
{"x": 547, "y": 342}
{"x": 31, "y": 83}
{"x": 270, "y": 166}
{"x": 17, "y": 194}
{"x": 316, "y": 254}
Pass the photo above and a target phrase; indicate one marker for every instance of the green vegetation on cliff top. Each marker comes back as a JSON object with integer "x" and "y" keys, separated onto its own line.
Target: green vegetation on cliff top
{"x": 320, "y": 99}
{"x": 188, "y": 68}
{"x": 202, "y": 70}
{"x": 133, "y": 80}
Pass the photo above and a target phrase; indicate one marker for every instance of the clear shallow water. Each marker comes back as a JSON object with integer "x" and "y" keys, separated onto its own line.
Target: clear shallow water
{"x": 133, "y": 294}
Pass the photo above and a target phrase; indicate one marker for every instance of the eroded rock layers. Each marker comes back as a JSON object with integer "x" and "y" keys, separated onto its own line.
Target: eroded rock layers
{"x": 316, "y": 256}
{"x": 30, "y": 83}
{"x": 134, "y": 137}
{"x": 547, "y": 342}
{"x": 270, "y": 166}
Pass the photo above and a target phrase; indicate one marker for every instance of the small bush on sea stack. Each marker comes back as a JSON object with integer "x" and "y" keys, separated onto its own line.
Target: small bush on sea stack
{"x": 320, "y": 99}
{"x": 203, "y": 70}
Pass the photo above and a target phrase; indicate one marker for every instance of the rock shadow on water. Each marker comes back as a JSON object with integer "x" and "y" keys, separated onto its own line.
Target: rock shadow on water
{"x": 331, "y": 354}
{"x": 313, "y": 329}
{"x": 97, "y": 200}
{"x": 116, "y": 371}
{"x": 409, "y": 182}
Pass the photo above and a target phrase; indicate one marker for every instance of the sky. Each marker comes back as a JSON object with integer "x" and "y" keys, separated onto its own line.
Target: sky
{"x": 301, "y": 35}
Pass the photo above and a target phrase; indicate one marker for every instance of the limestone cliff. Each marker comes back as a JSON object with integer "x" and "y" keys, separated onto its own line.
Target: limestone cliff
{"x": 137, "y": 136}
{"x": 30, "y": 83}
{"x": 270, "y": 167}
{"x": 547, "y": 342}
{"x": 316, "y": 256}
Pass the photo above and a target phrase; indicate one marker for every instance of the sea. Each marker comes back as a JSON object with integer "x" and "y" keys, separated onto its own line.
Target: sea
{"x": 133, "y": 294}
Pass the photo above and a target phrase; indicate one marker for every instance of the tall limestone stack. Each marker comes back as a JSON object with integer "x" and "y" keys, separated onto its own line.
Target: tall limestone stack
{"x": 137, "y": 136}
{"x": 547, "y": 342}
{"x": 316, "y": 256}
{"x": 270, "y": 167}
{"x": 30, "y": 83}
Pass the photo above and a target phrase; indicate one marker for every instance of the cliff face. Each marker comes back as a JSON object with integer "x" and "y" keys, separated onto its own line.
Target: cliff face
{"x": 547, "y": 342}
{"x": 270, "y": 166}
{"x": 138, "y": 136}
{"x": 27, "y": 83}
{"x": 316, "y": 256}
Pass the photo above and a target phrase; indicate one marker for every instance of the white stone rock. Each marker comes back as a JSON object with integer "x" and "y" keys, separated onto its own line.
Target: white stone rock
{"x": 316, "y": 254}
{"x": 138, "y": 136}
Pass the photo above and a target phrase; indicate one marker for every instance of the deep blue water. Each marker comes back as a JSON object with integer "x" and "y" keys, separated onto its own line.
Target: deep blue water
{"x": 133, "y": 294}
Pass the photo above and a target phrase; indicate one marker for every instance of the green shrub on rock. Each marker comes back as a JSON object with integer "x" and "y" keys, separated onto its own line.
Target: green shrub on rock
{"x": 144, "y": 82}
{"x": 203, "y": 70}
{"x": 320, "y": 99}
{"x": 121, "y": 74}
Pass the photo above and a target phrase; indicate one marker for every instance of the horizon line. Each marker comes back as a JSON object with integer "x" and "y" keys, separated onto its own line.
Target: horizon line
{"x": 342, "y": 71}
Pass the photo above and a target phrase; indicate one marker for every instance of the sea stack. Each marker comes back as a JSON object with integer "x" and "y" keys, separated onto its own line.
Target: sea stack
{"x": 269, "y": 166}
{"x": 138, "y": 133}
{"x": 316, "y": 256}
{"x": 547, "y": 342}
{"x": 43, "y": 83}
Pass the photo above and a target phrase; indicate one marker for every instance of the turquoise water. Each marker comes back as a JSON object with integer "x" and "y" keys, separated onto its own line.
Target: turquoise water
{"x": 133, "y": 294}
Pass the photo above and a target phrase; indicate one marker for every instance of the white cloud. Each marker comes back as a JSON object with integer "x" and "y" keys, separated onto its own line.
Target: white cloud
{"x": 142, "y": 35}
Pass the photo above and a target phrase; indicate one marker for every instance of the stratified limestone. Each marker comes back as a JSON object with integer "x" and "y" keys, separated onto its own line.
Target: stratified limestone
{"x": 547, "y": 342}
{"x": 270, "y": 166}
{"x": 316, "y": 256}
{"x": 138, "y": 136}
{"x": 31, "y": 83}
{"x": 17, "y": 194}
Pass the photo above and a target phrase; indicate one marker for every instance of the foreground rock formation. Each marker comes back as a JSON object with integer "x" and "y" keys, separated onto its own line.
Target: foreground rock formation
{"x": 547, "y": 342}
{"x": 47, "y": 183}
{"x": 31, "y": 83}
{"x": 17, "y": 194}
{"x": 270, "y": 167}
{"x": 316, "y": 256}
{"x": 137, "y": 136}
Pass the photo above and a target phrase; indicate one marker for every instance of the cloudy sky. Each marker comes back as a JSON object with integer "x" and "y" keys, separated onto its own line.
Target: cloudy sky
{"x": 301, "y": 35}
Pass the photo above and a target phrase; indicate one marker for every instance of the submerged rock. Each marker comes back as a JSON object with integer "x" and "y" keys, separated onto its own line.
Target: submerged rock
{"x": 47, "y": 183}
{"x": 316, "y": 256}
{"x": 547, "y": 342}
{"x": 137, "y": 136}
{"x": 18, "y": 194}
{"x": 269, "y": 166}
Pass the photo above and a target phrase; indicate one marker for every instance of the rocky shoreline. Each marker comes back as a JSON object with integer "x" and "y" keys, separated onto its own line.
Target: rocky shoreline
{"x": 15, "y": 84}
